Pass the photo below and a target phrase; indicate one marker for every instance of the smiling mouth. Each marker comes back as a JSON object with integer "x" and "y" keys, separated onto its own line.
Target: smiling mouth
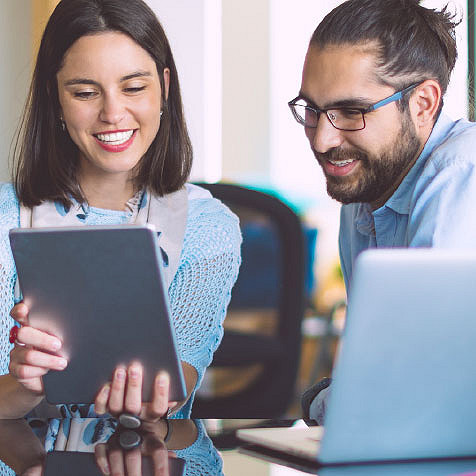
{"x": 115, "y": 138}
{"x": 341, "y": 163}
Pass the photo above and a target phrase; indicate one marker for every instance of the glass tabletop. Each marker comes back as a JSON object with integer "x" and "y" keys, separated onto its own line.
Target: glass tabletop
{"x": 98, "y": 446}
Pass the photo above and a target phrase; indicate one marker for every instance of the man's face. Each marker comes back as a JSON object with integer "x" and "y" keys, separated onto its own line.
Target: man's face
{"x": 365, "y": 165}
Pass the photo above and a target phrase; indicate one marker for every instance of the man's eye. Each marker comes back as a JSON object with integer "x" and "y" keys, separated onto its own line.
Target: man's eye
{"x": 350, "y": 113}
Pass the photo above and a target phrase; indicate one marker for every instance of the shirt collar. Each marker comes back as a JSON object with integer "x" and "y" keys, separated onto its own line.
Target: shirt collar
{"x": 400, "y": 200}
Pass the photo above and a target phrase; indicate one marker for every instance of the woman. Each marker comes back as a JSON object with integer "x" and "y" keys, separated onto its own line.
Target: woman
{"x": 103, "y": 141}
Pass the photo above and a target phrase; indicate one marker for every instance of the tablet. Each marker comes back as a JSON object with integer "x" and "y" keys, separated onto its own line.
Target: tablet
{"x": 100, "y": 290}
{"x": 59, "y": 463}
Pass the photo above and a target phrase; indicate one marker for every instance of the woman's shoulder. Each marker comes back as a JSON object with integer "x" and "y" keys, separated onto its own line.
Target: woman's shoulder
{"x": 202, "y": 205}
{"x": 9, "y": 207}
{"x": 210, "y": 223}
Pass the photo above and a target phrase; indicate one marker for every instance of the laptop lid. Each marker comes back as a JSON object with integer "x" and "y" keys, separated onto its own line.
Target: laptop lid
{"x": 405, "y": 381}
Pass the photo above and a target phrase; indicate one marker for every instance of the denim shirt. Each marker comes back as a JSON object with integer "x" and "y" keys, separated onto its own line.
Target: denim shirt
{"x": 432, "y": 207}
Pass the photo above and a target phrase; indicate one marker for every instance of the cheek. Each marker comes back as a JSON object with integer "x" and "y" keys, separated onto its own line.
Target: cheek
{"x": 310, "y": 133}
{"x": 79, "y": 118}
{"x": 150, "y": 117}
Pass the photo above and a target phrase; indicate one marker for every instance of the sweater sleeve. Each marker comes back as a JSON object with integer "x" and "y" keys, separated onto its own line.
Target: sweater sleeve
{"x": 9, "y": 218}
{"x": 201, "y": 289}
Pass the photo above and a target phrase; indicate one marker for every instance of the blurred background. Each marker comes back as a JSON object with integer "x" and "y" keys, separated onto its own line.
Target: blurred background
{"x": 239, "y": 63}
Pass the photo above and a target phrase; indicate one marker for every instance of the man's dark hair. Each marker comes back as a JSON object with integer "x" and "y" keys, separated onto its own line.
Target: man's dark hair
{"x": 413, "y": 43}
{"x": 45, "y": 158}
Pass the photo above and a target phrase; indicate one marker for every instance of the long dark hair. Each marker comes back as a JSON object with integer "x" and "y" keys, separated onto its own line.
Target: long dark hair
{"x": 45, "y": 159}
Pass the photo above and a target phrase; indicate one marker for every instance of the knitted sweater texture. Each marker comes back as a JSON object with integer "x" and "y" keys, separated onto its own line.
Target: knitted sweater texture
{"x": 199, "y": 293}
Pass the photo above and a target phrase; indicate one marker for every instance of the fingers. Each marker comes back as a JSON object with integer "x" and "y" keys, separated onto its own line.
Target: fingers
{"x": 133, "y": 462}
{"x": 19, "y": 312}
{"x": 26, "y": 363}
{"x": 124, "y": 394}
{"x": 116, "y": 395}
{"x": 160, "y": 404}
{"x": 116, "y": 462}
{"x": 30, "y": 358}
{"x": 40, "y": 340}
{"x": 101, "y": 402}
{"x": 133, "y": 398}
{"x": 160, "y": 460}
{"x": 100, "y": 456}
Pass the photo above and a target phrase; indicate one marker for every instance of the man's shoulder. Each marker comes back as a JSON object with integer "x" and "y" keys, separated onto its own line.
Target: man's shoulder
{"x": 457, "y": 147}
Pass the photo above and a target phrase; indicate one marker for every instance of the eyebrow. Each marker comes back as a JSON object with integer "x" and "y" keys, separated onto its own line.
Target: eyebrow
{"x": 136, "y": 74}
{"x": 358, "y": 102}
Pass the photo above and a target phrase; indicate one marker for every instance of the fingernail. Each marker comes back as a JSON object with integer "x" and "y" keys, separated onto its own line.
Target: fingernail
{"x": 121, "y": 374}
{"x": 55, "y": 345}
{"x": 105, "y": 468}
{"x": 62, "y": 363}
{"x": 135, "y": 372}
{"x": 105, "y": 390}
{"x": 163, "y": 380}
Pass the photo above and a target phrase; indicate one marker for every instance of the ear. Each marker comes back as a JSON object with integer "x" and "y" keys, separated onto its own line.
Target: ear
{"x": 166, "y": 82}
{"x": 424, "y": 103}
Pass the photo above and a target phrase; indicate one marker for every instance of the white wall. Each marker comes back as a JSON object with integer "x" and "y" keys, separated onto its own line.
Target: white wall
{"x": 193, "y": 28}
{"x": 15, "y": 67}
{"x": 456, "y": 99}
{"x": 246, "y": 90}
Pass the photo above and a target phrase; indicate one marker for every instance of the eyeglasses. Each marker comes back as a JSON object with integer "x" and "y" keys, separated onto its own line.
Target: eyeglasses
{"x": 342, "y": 118}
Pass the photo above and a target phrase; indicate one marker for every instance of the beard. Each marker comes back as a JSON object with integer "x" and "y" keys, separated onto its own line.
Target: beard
{"x": 378, "y": 174}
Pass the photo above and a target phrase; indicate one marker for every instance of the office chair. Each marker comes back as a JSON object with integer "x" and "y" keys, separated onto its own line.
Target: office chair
{"x": 271, "y": 291}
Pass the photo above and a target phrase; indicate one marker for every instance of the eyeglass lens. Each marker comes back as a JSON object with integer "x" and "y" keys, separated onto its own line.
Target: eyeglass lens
{"x": 347, "y": 119}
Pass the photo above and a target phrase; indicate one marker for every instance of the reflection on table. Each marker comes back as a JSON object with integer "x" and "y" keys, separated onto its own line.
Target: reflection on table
{"x": 97, "y": 446}
{"x": 175, "y": 448}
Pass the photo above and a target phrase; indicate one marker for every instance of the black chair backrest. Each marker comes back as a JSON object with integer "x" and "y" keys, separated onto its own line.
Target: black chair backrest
{"x": 272, "y": 275}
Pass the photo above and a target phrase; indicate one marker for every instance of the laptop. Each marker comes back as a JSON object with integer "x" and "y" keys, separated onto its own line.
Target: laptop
{"x": 404, "y": 381}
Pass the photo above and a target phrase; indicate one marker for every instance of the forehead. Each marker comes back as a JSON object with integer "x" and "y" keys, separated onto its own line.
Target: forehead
{"x": 335, "y": 73}
{"x": 105, "y": 54}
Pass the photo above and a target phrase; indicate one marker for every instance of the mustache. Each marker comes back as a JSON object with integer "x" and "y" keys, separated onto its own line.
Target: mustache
{"x": 341, "y": 154}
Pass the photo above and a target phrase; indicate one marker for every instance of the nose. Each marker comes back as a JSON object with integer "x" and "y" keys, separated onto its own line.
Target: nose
{"x": 112, "y": 109}
{"x": 324, "y": 136}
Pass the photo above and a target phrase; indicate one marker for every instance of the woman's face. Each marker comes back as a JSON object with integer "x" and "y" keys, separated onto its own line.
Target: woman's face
{"x": 110, "y": 96}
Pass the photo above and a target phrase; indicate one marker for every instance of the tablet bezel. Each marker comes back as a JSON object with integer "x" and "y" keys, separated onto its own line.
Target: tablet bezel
{"x": 71, "y": 276}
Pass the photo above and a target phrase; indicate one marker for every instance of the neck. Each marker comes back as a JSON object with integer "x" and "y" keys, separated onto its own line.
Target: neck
{"x": 111, "y": 193}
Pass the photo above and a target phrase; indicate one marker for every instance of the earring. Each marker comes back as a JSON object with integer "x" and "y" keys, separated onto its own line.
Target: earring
{"x": 63, "y": 124}
{"x": 161, "y": 112}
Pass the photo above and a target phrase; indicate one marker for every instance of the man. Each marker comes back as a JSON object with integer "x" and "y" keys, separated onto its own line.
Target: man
{"x": 370, "y": 101}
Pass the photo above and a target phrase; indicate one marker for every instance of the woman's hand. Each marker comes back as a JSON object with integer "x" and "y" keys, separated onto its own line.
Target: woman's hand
{"x": 124, "y": 394}
{"x": 33, "y": 354}
{"x": 152, "y": 451}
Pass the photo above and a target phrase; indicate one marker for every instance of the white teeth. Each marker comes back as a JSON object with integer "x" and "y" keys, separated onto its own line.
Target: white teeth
{"x": 116, "y": 138}
{"x": 341, "y": 163}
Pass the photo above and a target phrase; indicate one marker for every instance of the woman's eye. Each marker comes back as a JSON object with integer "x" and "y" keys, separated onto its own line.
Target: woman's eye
{"x": 133, "y": 90}
{"x": 85, "y": 94}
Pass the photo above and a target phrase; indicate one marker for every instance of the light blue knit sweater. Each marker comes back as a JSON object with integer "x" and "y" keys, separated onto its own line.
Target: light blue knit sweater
{"x": 199, "y": 293}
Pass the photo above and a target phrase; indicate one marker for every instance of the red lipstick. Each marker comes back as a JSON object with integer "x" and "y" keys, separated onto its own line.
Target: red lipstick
{"x": 118, "y": 147}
